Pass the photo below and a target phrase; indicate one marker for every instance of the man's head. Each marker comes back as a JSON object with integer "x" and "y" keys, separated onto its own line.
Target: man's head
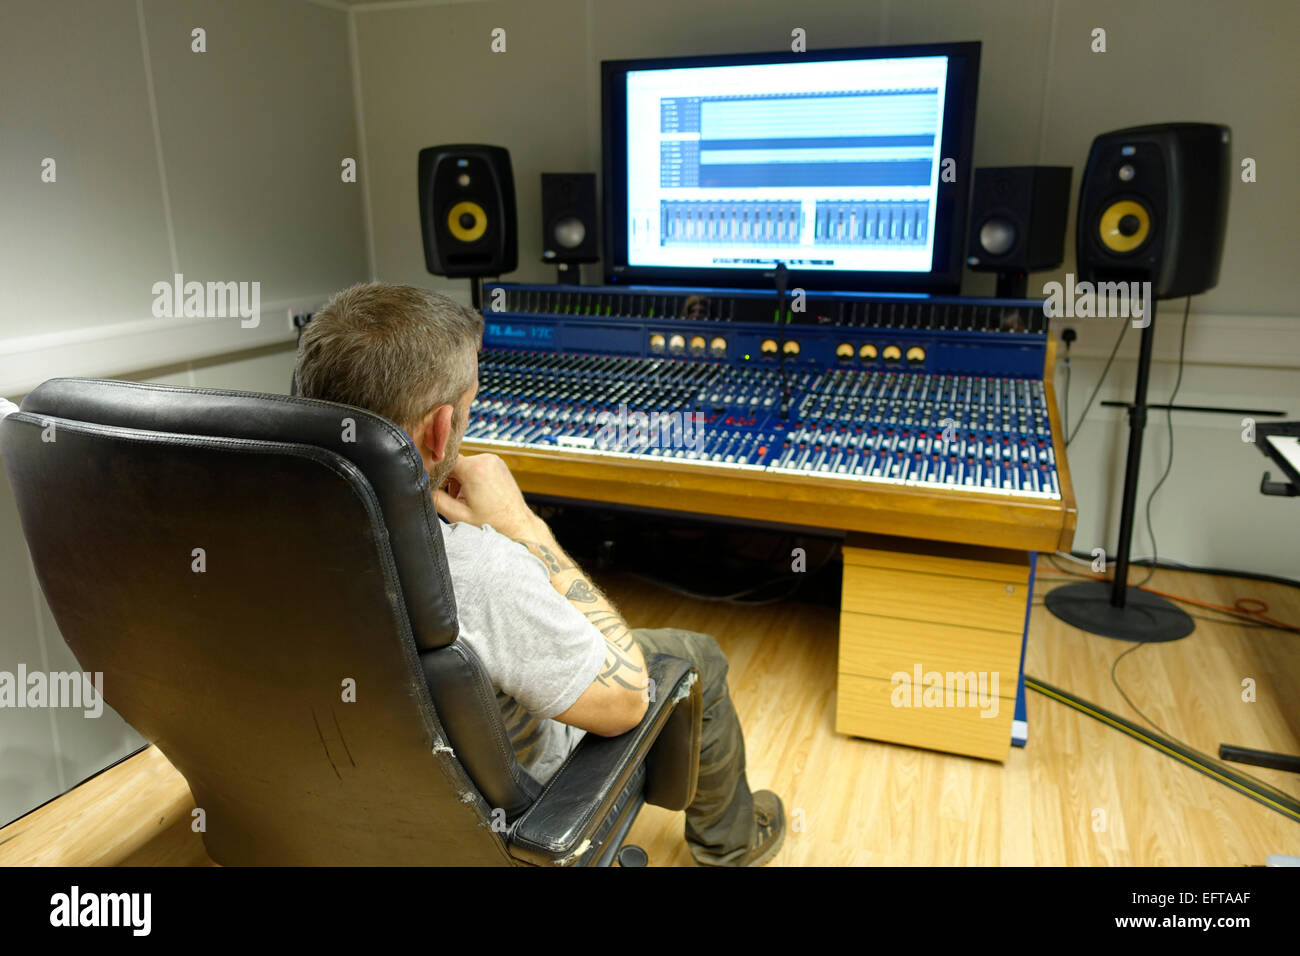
{"x": 405, "y": 353}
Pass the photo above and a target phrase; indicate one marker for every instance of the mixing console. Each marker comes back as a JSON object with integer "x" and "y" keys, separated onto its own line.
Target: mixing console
{"x": 944, "y": 394}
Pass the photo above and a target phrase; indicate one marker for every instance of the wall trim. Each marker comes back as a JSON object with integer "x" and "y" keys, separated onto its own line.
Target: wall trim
{"x": 122, "y": 347}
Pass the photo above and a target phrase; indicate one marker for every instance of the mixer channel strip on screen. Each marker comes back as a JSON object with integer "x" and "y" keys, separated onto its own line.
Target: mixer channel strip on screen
{"x": 872, "y": 223}
{"x": 964, "y": 412}
{"x": 730, "y": 222}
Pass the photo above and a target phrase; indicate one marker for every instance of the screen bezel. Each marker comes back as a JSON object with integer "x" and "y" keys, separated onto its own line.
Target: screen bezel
{"x": 951, "y": 203}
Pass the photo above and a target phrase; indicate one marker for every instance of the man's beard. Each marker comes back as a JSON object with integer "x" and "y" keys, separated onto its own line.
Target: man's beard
{"x": 438, "y": 476}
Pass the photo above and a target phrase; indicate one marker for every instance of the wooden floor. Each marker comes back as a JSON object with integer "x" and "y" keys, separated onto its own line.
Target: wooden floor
{"x": 874, "y": 803}
{"x": 864, "y": 802}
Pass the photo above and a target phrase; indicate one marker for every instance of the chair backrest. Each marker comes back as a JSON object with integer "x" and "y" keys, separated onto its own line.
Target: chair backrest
{"x": 262, "y": 582}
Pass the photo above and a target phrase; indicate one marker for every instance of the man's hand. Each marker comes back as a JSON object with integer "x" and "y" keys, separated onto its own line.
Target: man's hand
{"x": 482, "y": 491}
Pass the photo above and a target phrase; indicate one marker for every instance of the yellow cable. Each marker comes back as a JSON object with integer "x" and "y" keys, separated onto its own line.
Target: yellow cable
{"x": 1134, "y": 732}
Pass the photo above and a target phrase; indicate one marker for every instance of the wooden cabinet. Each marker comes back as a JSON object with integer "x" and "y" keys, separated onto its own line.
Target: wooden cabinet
{"x": 930, "y": 642}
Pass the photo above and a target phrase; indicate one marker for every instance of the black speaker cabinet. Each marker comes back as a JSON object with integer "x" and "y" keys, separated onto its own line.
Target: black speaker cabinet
{"x": 467, "y": 211}
{"x": 1153, "y": 206}
{"x": 569, "y": 217}
{"x": 1017, "y": 218}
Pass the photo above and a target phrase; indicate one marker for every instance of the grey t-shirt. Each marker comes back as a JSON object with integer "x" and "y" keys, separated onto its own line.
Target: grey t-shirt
{"x": 540, "y": 652}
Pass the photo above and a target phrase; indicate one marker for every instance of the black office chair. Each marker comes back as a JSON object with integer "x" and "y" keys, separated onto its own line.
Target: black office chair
{"x": 261, "y": 580}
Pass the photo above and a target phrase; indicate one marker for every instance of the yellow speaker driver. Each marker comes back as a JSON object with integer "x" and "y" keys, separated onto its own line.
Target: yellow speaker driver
{"x": 467, "y": 221}
{"x": 1124, "y": 226}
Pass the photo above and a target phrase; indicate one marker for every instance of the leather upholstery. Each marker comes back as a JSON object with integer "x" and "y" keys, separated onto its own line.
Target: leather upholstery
{"x": 381, "y": 450}
{"x": 305, "y": 678}
{"x": 560, "y": 826}
{"x": 460, "y": 685}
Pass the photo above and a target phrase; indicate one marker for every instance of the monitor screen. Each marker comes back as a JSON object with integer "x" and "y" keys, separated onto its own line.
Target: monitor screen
{"x": 846, "y": 165}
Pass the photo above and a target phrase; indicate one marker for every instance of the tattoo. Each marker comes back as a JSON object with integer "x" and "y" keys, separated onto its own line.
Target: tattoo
{"x": 613, "y": 627}
{"x": 581, "y": 590}
{"x": 554, "y": 561}
{"x": 615, "y": 667}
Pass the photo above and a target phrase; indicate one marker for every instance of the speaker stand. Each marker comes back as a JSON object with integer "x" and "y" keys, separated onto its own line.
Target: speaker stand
{"x": 476, "y": 293}
{"x": 1114, "y": 609}
{"x": 567, "y": 273}
{"x": 1012, "y": 285}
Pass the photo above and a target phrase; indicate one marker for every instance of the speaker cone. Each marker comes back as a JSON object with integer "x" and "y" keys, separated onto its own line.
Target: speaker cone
{"x": 997, "y": 236}
{"x": 467, "y": 221}
{"x": 569, "y": 232}
{"x": 1124, "y": 226}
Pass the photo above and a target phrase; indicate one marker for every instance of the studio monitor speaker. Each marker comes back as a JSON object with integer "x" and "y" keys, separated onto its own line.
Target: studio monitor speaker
{"x": 467, "y": 211}
{"x": 1153, "y": 207}
{"x": 569, "y": 217}
{"x": 1018, "y": 216}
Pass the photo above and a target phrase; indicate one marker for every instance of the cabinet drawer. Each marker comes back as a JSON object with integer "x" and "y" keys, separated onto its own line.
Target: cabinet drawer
{"x": 865, "y": 708}
{"x": 969, "y": 602}
{"x": 932, "y": 557}
{"x": 873, "y": 646}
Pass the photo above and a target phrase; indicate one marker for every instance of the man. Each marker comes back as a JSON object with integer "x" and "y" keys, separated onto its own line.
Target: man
{"x": 562, "y": 658}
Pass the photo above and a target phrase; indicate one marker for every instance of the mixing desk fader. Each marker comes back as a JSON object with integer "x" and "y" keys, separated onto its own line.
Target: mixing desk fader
{"x": 944, "y": 394}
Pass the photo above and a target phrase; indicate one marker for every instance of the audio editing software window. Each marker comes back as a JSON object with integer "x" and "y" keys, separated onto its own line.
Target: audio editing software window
{"x": 828, "y": 165}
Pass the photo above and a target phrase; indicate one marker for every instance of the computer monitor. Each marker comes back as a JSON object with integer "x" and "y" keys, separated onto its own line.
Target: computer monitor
{"x": 852, "y": 167}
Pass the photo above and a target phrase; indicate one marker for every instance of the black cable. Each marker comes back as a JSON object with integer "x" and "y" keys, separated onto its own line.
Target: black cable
{"x": 1164, "y": 733}
{"x": 1067, "y": 337}
{"x": 1229, "y": 776}
{"x": 1204, "y": 759}
{"x": 1169, "y": 421}
{"x": 1065, "y": 415}
{"x": 1072, "y": 435}
{"x": 1115, "y": 680}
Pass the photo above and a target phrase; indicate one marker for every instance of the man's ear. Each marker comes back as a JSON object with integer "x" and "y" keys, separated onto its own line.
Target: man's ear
{"x": 433, "y": 434}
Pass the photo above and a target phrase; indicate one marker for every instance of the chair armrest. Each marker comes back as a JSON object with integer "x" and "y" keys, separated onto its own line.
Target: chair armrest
{"x": 559, "y": 827}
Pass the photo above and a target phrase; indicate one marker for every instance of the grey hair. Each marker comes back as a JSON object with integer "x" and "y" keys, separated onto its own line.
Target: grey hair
{"x": 393, "y": 349}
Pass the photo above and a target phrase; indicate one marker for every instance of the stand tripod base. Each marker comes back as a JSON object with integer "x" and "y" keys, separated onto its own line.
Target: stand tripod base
{"x": 1146, "y": 617}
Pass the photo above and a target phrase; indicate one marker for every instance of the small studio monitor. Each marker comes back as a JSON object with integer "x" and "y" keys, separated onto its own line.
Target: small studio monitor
{"x": 569, "y": 217}
{"x": 1153, "y": 207}
{"x": 467, "y": 211}
{"x": 1017, "y": 222}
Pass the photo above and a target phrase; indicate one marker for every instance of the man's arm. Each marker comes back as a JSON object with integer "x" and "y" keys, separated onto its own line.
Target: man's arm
{"x": 486, "y": 493}
{"x": 624, "y": 662}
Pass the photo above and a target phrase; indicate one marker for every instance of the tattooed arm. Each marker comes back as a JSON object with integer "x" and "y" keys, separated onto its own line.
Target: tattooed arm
{"x": 486, "y": 493}
{"x": 620, "y": 685}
